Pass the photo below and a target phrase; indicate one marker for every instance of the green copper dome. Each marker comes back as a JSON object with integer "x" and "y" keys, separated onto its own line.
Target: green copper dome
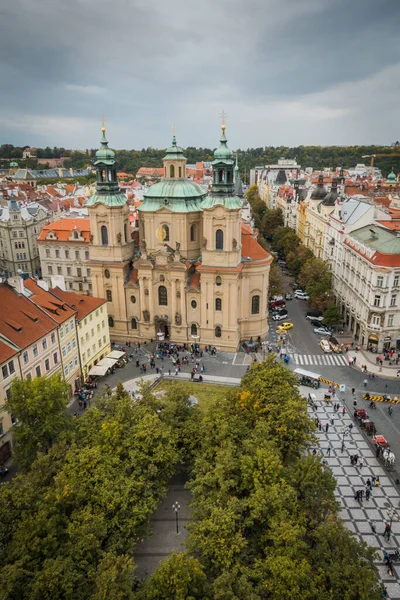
{"x": 223, "y": 152}
{"x": 13, "y": 164}
{"x": 174, "y": 152}
{"x": 176, "y": 195}
{"x": 392, "y": 178}
{"x": 104, "y": 154}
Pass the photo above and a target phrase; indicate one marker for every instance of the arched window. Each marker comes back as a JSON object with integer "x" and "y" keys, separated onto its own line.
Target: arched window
{"x": 255, "y": 305}
{"x": 109, "y": 295}
{"x": 218, "y": 303}
{"x": 193, "y": 233}
{"x": 104, "y": 235}
{"x": 133, "y": 323}
{"x": 133, "y": 299}
{"x": 180, "y": 172}
{"x": 172, "y": 171}
{"x": 219, "y": 239}
{"x": 107, "y": 274}
{"x": 76, "y": 235}
{"x": 218, "y": 280}
{"x": 162, "y": 296}
{"x": 166, "y": 229}
{"x": 193, "y": 329}
{"x": 218, "y": 331}
{"x": 110, "y": 322}
{"x": 125, "y": 233}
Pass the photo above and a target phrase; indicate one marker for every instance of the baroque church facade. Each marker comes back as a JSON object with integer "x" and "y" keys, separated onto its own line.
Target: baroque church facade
{"x": 198, "y": 275}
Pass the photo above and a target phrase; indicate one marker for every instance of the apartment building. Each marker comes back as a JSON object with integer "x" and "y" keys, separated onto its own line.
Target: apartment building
{"x": 63, "y": 250}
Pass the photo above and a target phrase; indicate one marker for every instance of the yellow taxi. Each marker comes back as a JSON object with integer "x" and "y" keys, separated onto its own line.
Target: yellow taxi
{"x": 285, "y": 326}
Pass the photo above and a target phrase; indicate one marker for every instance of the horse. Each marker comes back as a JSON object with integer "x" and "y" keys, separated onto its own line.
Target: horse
{"x": 388, "y": 458}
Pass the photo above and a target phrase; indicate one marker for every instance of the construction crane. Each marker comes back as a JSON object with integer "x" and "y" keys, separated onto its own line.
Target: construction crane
{"x": 373, "y": 156}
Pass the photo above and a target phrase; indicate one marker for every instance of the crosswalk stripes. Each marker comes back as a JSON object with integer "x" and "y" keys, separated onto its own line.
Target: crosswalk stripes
{"x": 319, "y": 360}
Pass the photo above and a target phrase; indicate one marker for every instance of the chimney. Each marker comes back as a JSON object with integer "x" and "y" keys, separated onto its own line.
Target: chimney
{"x": 43, "y": 284}
{"x": 58, "y": 281}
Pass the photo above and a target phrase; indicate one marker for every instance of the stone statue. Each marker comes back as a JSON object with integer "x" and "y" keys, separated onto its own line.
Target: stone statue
{"x": 143, "y": 246}
{"x": 119, "y": 237}
{"x": 178, "y": 246}
{"x": 91, "y": 237}
{"x": 204, "y": 242}
{"x": 234, "y": 244}
{"x": 178, "y": 293}
{"x": 178, "y": 318}
{"x": 146, "y": 316}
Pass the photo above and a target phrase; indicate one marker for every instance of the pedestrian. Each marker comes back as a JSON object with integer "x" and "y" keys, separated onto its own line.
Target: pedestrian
{"x": 365, "y": 382}
{"x": 132, "y": 394}
{"x": 343, "y": 411}
{"x": 354, "y": 360}
{"x": 320, "y": 425}
{"x": 373, "y": 526}
{"x": 326, "y": 428}
{"x": 176, "y": 371}
{"x": 369, "y": 485}
{"x": 328, "y": 452}
{"x": 367, "y": 493}
{"x": 169, "y": 372}
{"x": 343, "y": 446}
{"x": 332, "y": 420}
{"x": 389, "y": 567}
{"x": 387, "y": 531}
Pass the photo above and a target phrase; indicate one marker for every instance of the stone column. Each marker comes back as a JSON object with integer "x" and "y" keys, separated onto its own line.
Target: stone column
{"x": 173, "y": 300}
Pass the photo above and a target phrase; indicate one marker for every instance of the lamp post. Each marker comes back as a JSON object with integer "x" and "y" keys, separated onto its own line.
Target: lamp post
{"x": 176, "y": 507}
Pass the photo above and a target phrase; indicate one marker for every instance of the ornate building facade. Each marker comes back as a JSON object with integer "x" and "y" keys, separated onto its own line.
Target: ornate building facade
{"x": 199, "y": 274}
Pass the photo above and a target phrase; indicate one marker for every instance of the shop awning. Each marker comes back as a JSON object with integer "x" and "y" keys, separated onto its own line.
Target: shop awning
{"x": 98, "y": 370}
{"x": 107, "y": 362}
{"x": 116, "y": 354}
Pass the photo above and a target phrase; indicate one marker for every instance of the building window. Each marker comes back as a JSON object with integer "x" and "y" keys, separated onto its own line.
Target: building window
{"x": 193, "y": 329}
{"x": 81, "y": 287}
{"x": 59, "y": 270}
{"x": 57, "y": 254}
{"x": 38, "y": 372}
{"x": 50, "y": 269}
{"x": 47, "y": 253}
{"x": 44, "y": 344}
{"x": 88, "y": 272}
{"x": 64, "y": 351}
{"x": 133, "y": 323}
{"x": 107, "y": 274}
{"x": 218, "y": 280}
{"x": 77, "y": 255}
{"x": 86, "y": 254}
{"x": 166, "y": 231}
{"x": 376, "y": 320}
{"x": 393, "y": 300}
{"x": 379, "y": 281}
{"x": 67, "y": 254}
{"x": 193, "y": 233}
{"x": 218, "y": 331}
{"x": 69, "y": 347}
{"x": 53, "y": 337}
{"x": 55, "y": 358}
{"x": 66, "y": 370}
{"x": 255, "y": 305}
{"x": 25, "y": 357}
{"x": 218, "y": 303}
{"x": 193, "y": 304}
{"x": 61, "y": 332}
{"x": 109, "y": 295}
{"x": 172, "y": 171}
{"x": 69, "y": 271}
{"x": 396, "y": 281}
{"x": 76, "y": 235}
{"x": 110, "y": 322}
{"x": 4, "y": 370}
{"x": 47, "y": 364}
{"x": 162, "y": 296}
{"x": 133, "y": 299}
{"x": 104, "y": 235}
{"x": 390, "y": 320}
{"x": 377, "y": 301}
{"x": 219, "y": 239}
{"x": 35, "y": 350}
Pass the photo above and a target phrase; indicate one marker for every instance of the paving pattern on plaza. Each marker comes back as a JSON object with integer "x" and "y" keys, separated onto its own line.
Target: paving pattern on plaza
{"x": 350, "y": 478}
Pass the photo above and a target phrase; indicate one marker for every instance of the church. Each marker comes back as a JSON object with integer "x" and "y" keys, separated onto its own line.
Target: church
{"x": 198, "y": 275}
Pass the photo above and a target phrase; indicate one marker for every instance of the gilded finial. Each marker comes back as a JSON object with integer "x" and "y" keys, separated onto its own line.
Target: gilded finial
{"x": 174, "y": 130}
{"x": 223, "y": 117}
{"x": 103, "y": 126}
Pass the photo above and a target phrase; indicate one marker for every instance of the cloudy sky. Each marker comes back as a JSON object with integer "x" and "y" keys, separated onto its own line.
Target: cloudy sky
{"x": 286, "y": 72}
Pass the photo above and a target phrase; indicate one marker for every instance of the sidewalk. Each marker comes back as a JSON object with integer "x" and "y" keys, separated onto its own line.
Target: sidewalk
{"x": 351, "y": 478}
{"x": 365, "y": 358}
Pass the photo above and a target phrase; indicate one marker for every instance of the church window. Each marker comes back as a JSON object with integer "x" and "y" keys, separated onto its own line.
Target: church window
{"x": 133, "y": 299}
{"x": 172, "y": 171}
{"x": 76, "y": 235}
{"x": 218, "y": 303}
{"x": 162, "y": 296}
{"x": 255, "y": 305}
{"x": 107, "y": 274}
{"x": 110, "y": 321}
{"x": 180, "y": 172}
{"x": 193, "y": 233}
{"x": 166, "y": 230}
{"x": 109, "y": 295}
{"x": 193, "y": 329}
{"x": 104, "y": 235}
{"x": 221, "y": 175}
{"x": 110, "y": 177}
{"x": 133, "y": 323}
{"x": 218, "y": 280}
{"x": 193, "y": 304}
{"x": 229, "y": 176}
{"x": 125, "y": 233}
{"x": 218, "y": 331}
{"x": 103, "y": 175}
{"x": 219, "y": 239}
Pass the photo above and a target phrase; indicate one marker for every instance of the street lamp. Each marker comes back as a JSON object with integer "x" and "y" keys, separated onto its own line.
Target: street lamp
{"x": 176, "y": 507}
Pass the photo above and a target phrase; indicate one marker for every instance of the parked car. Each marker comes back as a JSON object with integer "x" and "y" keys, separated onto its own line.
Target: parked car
{"x": 325, "y": 347}
{"x": 301, "y": 295}
{"x": 277, "y": 304}
{"x": 285, "y": 326}
{"x": 315, "y": 323}
{"x": 288, "y": 297}
{"x": 322, "y": 331}
{"x": 3, "y": 471}
{"x": 315, "y": 315}
{"x": 280, "y": 315}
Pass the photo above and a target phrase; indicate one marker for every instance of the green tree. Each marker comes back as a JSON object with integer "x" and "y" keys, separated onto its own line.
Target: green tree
{"x": 295, "y": 259}
{"x": 332, "y": 316}
{"x": 40, "y": 406}
{"x": 316, "y": 277}
{"x": 276, "y": 286}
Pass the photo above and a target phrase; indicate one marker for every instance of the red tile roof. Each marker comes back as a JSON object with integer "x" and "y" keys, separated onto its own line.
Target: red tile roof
{"x": 54, "y": 307}
{"x": 6, "y": 352}
{"x": 194, "y": 280}
{"x": 63, "y": 228}
{"x": 393, "y": 225}
{"x": 21, "y": 321}
{"x": 251, "y": 248}
{"x": 84, "y": 305}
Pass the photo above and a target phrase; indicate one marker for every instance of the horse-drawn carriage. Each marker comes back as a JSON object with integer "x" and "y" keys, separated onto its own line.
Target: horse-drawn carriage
{"x": 383, "y": 450}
